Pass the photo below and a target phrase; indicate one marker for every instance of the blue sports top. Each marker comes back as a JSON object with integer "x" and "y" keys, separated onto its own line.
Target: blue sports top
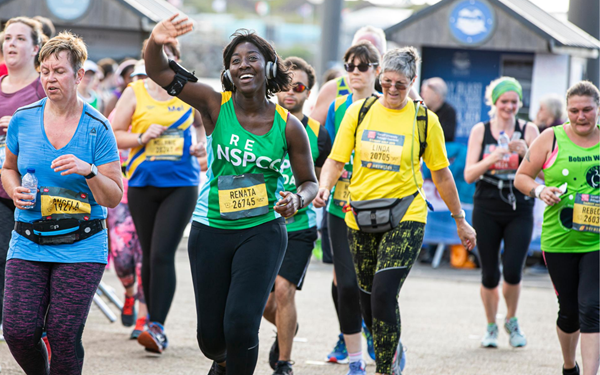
{"x": 93, "y": 142}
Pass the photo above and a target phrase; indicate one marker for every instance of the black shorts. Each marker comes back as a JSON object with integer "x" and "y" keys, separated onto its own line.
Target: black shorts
{"x": 297, "y": 256}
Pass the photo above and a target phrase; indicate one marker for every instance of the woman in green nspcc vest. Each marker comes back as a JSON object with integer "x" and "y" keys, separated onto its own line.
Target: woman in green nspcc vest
{"x": 238, "y": 236}
{"x": 569, "y": 156}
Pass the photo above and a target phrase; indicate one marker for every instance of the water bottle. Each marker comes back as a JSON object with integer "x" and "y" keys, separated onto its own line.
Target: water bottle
{"x": 30, "y": 182}
{"x": 503, "y": 141}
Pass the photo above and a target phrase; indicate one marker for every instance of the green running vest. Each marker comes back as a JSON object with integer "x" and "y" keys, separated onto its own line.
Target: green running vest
{"x": 244, "y": 178}
{"x": 571, "y": 226}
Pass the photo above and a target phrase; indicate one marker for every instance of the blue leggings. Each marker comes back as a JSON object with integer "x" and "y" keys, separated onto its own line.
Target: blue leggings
{"x": 54, "y": 296}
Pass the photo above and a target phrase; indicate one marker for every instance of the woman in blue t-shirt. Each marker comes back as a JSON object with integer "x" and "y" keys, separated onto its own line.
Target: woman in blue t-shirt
{"x": 59, "y": 247}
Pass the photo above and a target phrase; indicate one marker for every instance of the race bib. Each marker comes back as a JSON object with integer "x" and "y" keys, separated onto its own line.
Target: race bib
{"x": 586, "y": 213}
{"x": 341, "y": 192}
{"x": 169, "y": 146}
{"x": 59, "y": 203}
{"x": 242, "y": 196}
{"x": 381, "y": 150}
{"x": 502, "y": 169}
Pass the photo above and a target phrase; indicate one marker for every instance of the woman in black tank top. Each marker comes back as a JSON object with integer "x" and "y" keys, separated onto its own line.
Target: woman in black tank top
{"x": 501, "y": 212}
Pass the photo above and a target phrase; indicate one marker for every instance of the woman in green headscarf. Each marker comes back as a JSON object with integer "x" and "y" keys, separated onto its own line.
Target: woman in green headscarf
{"x": 501, "y": 212}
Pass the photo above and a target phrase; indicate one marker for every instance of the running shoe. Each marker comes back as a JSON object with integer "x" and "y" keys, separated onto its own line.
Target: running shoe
{"x": 399, "y": 359}
{"x": 1, "y": 333}
{"x": 369, "y": 338}
{"x": 215, "y": 369}
{"x": 490, "y": 340}
{"x": 140, "y": 326}
{"x": 339, "y": 354}
{"x": 358, "y": 368}
{"x": 571, "y": 371}
{"x": 274, "y": 351}
{"x": 517, "y": 337}
{"x": 128, "y": 313}
{"x": 154, "y": 338}
{"x": 283, "y": 368}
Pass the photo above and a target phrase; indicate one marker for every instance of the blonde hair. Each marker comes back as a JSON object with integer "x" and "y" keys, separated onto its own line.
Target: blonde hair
{"x": 66, "y": 41}
{"x": 37, "y": 33}
{"x": 488, "y": 95}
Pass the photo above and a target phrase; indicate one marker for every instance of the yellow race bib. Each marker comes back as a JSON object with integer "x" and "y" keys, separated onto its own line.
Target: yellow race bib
{"x": 341, "y": 192}
{"x": 242, "y": 196}
{"x": 59, "y": 203}
{"x": 379, "y": 150}
{"x": 169, "y": 146}
{"x": 586, "y": 213}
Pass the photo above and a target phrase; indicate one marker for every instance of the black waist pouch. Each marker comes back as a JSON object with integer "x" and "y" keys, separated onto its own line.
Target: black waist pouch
{"x": 380, "y": 215}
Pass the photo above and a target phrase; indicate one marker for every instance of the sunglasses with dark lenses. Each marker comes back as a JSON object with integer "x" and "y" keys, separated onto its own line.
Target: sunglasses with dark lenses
{"x": 299, "y": 87}
{"x": 400, "y": 86}
{"x": 362, "y": 67}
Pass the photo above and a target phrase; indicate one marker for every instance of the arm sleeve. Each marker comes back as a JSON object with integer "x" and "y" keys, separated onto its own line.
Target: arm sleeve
{"x": 435, "y": 156}
{"x": 345, "y": 137}
{"x": 106, "y": 145}
{"x": 330, "y": 122}
{"x": 324, "y": 145}
{"x": 12, "y": 135}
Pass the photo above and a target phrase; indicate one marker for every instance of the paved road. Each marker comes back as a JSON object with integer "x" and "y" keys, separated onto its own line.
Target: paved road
{"x": 442, "y": 323}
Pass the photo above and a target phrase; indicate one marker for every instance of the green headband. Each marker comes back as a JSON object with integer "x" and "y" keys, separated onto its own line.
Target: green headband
{"x": 509, "y": 84}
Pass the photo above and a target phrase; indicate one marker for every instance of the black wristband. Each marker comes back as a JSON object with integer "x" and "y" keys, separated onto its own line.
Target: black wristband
{"x": 182, "y": 76}
{"x": 301, "y": 200}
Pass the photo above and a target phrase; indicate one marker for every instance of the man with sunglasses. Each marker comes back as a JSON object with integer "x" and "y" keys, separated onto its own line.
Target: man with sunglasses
{"x": 301, "y": 228}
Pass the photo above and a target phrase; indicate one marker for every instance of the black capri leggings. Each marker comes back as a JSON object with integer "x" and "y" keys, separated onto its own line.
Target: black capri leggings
{"x": 577, "y": 283}
{"x": 233, "y": 273}
{"x": 382, "y": 262}
{"x": 348, "y": 295}
{"x": 494, "y": 223}
{"x": 160, "y": 216}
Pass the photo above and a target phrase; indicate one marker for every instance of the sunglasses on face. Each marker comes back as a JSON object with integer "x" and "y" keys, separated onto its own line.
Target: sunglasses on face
{"x": 362, "y": 67}
{"x": 400, "y": 86}
{"x": 299, "y": 87}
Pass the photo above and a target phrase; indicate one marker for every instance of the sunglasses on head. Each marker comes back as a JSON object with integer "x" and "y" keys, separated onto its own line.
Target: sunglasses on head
{"x": 400, "y": 86}
{"x": 299, "y": 87}
{"x": 362, "y": 67}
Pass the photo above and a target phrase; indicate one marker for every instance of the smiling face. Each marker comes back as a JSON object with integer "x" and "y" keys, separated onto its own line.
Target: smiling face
{"x": 292, "y": 100}
{"x": 395, "y": 87}
{"x": 58, "y": 78}
{"x": 247, "y": 68}
{"x": 507, "y": 105}
{"x": 18, "y": 46}
{"x": 583, "y": 114}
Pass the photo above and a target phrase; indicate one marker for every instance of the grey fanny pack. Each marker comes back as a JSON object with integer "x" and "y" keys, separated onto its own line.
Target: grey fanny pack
{"x": 380, "y": 215}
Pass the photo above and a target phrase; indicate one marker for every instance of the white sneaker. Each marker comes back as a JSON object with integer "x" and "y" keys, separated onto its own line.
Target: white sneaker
{"x": 1, "y": 335}
{"x": 517, "y": 337}
{"x": 490, "y": 340}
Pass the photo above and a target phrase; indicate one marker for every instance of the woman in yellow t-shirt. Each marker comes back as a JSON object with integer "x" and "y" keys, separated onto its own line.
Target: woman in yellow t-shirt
{"x": 386, "y": 158}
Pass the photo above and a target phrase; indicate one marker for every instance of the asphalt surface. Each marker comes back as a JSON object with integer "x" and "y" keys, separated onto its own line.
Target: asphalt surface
{"x": 442, "y": 319}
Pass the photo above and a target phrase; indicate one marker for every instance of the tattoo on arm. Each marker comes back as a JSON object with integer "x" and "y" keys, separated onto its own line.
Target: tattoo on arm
{"x": 527, "y": 156}
{"x": 532, "y": 192}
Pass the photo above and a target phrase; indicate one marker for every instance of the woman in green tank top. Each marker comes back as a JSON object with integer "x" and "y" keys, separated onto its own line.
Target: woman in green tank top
{"x": 238, "y": 235}
{"x": 569, "y": 156}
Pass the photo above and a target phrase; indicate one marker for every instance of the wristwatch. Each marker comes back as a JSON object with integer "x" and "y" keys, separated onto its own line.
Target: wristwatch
{"x": 301, "y": 200}
{"x": 93, "y": 173}
{"x": 460, "y": 215}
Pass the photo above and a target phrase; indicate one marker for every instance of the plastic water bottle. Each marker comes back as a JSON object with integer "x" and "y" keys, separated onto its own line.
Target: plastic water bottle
{"x": 30, "y": 182}
{"x": 503, "y": 141}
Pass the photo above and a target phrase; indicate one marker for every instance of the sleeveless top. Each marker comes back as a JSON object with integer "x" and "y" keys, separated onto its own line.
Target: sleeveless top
{"x": 244, "y": 172}
{"x": 503, "y": 170}
{"x": 572, "y": 225}
{"x": 342, "y": 86}
{"x": 340, "y": 194}
{"x": 306, "y": 217}
{"x": 166, "y": 160}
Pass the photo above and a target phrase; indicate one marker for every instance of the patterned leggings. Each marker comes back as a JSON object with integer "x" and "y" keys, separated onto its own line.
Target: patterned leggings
{"x": 56, "y": 296}
{"x": 382, "y": 262}
{"x": 125, "y": 248}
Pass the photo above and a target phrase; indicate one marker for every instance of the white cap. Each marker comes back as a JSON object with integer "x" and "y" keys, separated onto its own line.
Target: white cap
{"x": 139, "y": 69}
{"x": 90, "y": 65}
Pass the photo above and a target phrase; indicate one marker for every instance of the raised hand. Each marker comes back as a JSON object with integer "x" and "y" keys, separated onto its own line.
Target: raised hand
{"x": 166, "y": 31}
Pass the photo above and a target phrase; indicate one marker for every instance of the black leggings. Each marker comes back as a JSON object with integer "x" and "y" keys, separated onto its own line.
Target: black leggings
{"x": 494, "y": 223}
{"x": 160, "y": 216}
{"x": 233, "y": 273}
{"x": 7, "y": 224}
{"x": 348, "y": 295}
{"x": 382, "y": 262}
{"x": 577, "y": 284}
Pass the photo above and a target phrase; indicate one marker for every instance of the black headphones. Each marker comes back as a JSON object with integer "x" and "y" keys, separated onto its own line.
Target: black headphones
{"x": 270, "y": 70}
